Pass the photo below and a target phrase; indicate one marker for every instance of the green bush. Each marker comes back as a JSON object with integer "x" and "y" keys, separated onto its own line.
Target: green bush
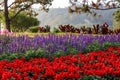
{"x": 23, "y": 22}
{"x": 107, "y": 77}
{"x": 27, "y": 55}
{"x": 92, "y": 47}
{"x": 33, "y": 29}
{"x": 95, "y": 46}
{"x": 91, "y": 78}
{"x": 58, "y": 53}
{"x": 55, "y": 30}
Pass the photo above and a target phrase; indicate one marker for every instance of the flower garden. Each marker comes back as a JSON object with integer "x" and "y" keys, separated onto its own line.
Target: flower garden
{"x": 60, "y": 57}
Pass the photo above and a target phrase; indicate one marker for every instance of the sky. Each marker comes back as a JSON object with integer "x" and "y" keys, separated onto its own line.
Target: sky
{"x": 55, "y": 3}
{"x": 60, "y": 3}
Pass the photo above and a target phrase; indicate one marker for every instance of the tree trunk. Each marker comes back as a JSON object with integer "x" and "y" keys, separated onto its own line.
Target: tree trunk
{"x": 6, "y": 14}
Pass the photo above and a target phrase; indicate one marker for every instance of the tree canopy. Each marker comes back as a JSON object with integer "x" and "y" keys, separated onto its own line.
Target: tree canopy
{"x": 17, "y": 6}
{"x": 116, "y": 17}
{"x": 88, "y": 6}
{"x": 22, "y": 22}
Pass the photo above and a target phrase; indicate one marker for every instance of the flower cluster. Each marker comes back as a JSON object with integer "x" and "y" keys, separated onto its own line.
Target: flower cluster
{"x": 98, "y": 63}
{"x": 52, "y": 43}
{"x": 5, "y": 32}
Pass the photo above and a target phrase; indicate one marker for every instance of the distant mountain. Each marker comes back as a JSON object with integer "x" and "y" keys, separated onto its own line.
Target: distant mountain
{"x": 60, "y": 16}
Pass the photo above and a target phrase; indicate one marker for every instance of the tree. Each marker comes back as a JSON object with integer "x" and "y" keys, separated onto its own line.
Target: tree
{"x": 88, "y": 6}
{"x": 116, "y": 17}
{"x": 22, "y": 22}
{"x": 21, "y": 5}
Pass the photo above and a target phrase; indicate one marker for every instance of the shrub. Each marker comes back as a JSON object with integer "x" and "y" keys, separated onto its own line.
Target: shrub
{"x": 95, "y": 46}
{"x": 69, "y": 28}
{"x": 47, "y": 27}
{"x": 34, "y": 29}
{"x": 92, "y": 47}
{"x": 23, "y": 22}
{"x": 55, "y": 30}
{"x": 96, "y": 28}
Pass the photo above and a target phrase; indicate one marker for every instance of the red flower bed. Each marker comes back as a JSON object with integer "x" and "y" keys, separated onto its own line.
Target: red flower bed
{"x": 98, "y": 63}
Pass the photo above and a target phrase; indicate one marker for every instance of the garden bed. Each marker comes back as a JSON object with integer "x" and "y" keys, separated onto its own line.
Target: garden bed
{"x": 60, "y": 57}
{"x": 100, "y": 65}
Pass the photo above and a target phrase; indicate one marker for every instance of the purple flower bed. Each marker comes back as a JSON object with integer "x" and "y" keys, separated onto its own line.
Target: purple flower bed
{"x": 52, "y": 43}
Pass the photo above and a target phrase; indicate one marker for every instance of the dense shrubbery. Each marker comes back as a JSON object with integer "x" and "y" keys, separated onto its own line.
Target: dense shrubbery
{"x": 56, "y": 30}
{"x": 95, "y": 29}
{"x": 69, "y": 28}
{"x": 36, "y": 29}
{"x": 22, "y": 22}
{"x": 33, "y": 29}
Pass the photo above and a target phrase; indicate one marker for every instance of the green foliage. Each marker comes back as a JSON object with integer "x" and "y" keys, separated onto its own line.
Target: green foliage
{"x": 56, "y": 30}
{"x": 74, "y": 51}
{"x": 13, "y": 56}
{"x": 27, "y": 55}
{"x": 94, "y": 78}
{"x": 108, "y": 44}
{"x": 34, "y": 29}
{"x": 116, "y": 17}
{"x": 116, "y": 25}
{"x": 34, "y": 54}
{"x": 22, "y": 22}
{"x": 71, "y": 50}
{"x": 92, "y": 47}
{"x": 59, "y": 53}
{"x": 3, "y": 56}
{"x": 18, "y": 6}
{"x": 95, "y": 46}
{"x": 107, "y": 77}
{"x": 40, "y": 53}
{"x": 47, "y": 27}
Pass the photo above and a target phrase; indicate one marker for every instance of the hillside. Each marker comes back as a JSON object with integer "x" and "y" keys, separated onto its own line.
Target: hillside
{"x": 59, "y": 16}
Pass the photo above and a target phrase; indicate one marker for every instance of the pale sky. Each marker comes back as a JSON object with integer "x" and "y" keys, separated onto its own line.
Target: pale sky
{"x": 60, "y": 3}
